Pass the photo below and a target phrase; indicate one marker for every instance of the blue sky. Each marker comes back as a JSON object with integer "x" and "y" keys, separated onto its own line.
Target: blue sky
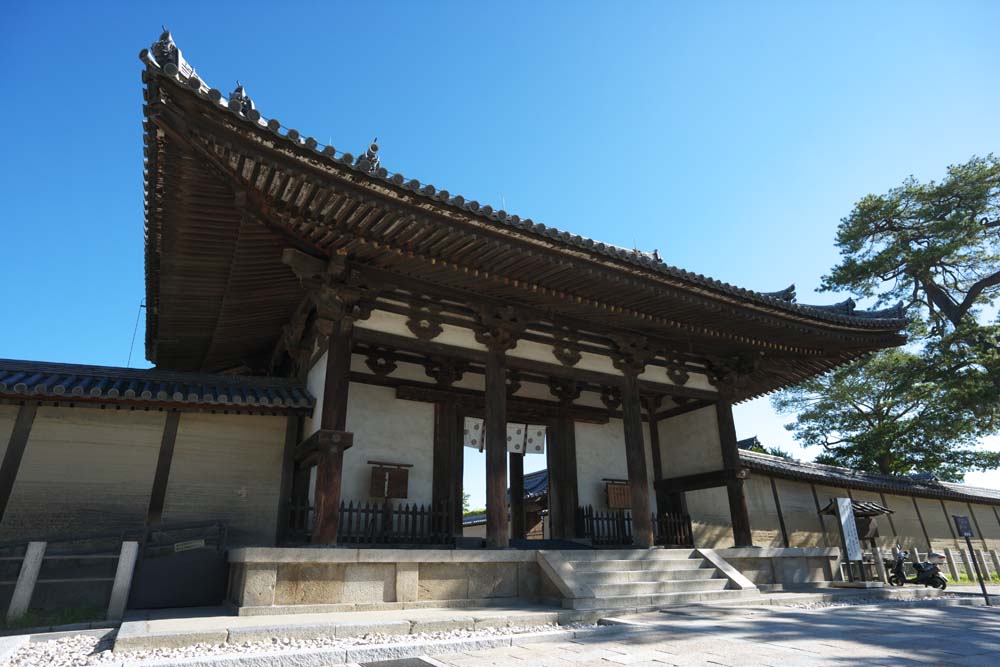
{"x": 731, "y": 137}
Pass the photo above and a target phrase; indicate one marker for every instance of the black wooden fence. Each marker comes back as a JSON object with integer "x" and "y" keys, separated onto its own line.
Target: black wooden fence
{"x": 614, "y": 528}
{"x": 386, "y": 522}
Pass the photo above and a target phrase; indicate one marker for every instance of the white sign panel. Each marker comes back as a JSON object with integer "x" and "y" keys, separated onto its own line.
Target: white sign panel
{"x": 474, "y": 433}
{"x": 535, "y": 444}
{"x": 849, "y": 529}
{"x": 515, "y": 438}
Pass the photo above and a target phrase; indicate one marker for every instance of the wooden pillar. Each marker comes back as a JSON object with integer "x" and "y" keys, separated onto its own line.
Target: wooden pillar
{"x": 635, "y": 456}
{"x": 154, "y": 512}
{"x": 781, "y": 516}
{"x": 330, "y": 462}
{"x": 555, "y": 467}
{"x": 495, "y": 432}
{"x": 654, "y": 444}
{"x": 443, "y": 459}
{"x": 561, "y": 454}
{"x": 517, "y": 496}
{"x": 740, "y": 515}
{"x": 293, "y": 435}
{"x": 457, "y": 458}
{"x": 15, "y": 452}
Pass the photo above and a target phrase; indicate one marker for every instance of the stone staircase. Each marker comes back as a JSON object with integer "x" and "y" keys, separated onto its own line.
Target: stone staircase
{"x": 642, "y": 578}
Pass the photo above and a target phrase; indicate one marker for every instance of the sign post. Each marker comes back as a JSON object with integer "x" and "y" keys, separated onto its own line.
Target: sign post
{"x": 964, "y": 528}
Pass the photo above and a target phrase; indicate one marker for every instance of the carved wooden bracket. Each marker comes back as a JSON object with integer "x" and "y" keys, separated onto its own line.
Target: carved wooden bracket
{"x": 498, "y": 328}
{"x": 424, "y": 321}
{"x": 729, "y": 375}
{"x": 565, "y": 348}
{"x": 513, "y": 381}
{"x": 444, "y": 372}
{"x": 566, "y": 391}
{"x": 611, "y": 397}
{"x": 381, "y": 361}
{"x": 631, "y": 353}
{"x": 337, "y": 293}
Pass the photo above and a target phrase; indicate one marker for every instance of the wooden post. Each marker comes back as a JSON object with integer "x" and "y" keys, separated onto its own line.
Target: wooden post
{"x": 561, "y": 457}
{"x": 923, "y": 528}
{"x": 654, "y": 443}
{"x": 553, "y": 453}
{"x": 441, "y": 471}
{"x": 517, "y": 496}
{"x": 293, "y": 434}
{"x": 635, "y": 458}
{"x": 495, "y": 432}
{"x": 15, "y": 452}
{"x": 330, "y": 464}
{"x": 457, "y": 457}
{"x": 157, "y": 497}
{"x": 781, "y": 516}
{"x": 127, "y": 558}
{"x": 740, "y": 515}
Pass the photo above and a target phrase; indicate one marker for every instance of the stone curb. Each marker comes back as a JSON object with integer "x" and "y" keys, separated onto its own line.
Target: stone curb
{"x": 376, "y": 652}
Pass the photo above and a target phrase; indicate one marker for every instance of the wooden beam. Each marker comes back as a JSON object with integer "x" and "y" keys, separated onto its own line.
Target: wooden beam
{"x": 15, "y": 452}
{"x": 381, "y": 338}
{"x": 154, "y": 512}
{"x": 742, "y": 535}
{"x": 699, "y": 481}
{"x": 495, "y": 432}
{"x": 781, "y": 517}
{"x": 635, "y": 459}
{"x": 474, "y": 402}
{"x": 517, "y": 496}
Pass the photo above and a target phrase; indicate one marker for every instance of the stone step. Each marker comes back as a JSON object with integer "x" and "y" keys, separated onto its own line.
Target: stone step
{"x": 633, "y": 576}
{"x": 653, "y": 601}
{"x": 629, "y": 554}
{"x": 658, "y": 564}
{"x": 658, "y": 587}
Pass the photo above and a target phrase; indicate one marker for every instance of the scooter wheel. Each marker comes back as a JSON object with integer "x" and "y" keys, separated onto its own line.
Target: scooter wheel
{"x": 940, "y": 583}
{"x": 895, "y": 581}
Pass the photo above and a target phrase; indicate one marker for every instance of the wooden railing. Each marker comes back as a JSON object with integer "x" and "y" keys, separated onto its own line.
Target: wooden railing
{"x": 614, "y": 528}
{"x": 386, "y": 522}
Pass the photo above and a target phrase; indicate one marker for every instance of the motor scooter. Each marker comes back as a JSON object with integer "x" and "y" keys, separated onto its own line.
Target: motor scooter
{"x": 927, "y": 573}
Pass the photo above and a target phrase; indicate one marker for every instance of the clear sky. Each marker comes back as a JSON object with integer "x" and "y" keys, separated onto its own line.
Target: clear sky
{"x": 731, "y": 137}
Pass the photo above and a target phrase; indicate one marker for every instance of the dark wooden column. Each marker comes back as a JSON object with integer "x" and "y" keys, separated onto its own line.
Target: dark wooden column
{"x": 154, "y": 512}
{"x": 517, "y": 495}
{"x": 495, "y": 433}
{"x": 652, "y": 405}
{"x": 333, "y": 419}
{"x": 446, "y": 483}
{"x": 15, "y": 452}
{"x": 457, "y": 456}
{"x": 561, "y": 455}
{"x": 635, "y": 456}
{"x": 740, "y": 516}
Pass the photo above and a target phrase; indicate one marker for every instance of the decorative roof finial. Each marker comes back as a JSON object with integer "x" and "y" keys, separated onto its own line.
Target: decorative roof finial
{"x": 169, "y": 57}
{"x": 369, "y": 161}
{"x": 239, "y": 101}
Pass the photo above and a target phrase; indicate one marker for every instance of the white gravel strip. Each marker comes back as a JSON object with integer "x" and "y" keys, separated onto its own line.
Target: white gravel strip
{"x": 85, "y": 651}
{"x": 865, "y": 601}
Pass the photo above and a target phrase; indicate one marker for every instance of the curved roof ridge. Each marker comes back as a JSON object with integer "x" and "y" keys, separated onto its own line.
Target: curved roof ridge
{"x": 238, "y": 104}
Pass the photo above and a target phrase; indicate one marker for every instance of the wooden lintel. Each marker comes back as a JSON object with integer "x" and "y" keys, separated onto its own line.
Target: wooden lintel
{"x": 698, "y": 481}
{"x": 395, "y": 341}
{"x": 473, "y": 403}
{"x": 676, "y": 411}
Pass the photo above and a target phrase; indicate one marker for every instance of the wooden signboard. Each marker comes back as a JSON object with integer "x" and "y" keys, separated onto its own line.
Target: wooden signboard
{"x": 619, "y": 495}
{"x": 389, "y": 481}
{"x": 848, "y": 529}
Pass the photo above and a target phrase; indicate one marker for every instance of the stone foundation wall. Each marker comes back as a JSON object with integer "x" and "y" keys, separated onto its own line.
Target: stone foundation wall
{"x": 268, "y": 581}
{"x": 784, "y": 566}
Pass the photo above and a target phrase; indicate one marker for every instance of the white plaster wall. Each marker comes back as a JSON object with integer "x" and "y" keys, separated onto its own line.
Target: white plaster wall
{"x": 689, "y": 443}
{"x": 387, "y": 429}
{"x": 600, "y": 454}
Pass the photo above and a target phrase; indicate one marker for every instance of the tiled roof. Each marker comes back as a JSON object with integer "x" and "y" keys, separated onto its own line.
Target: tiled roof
{"x": 72, "y": 383}
{"x": 836, "y": 476}
{"x": 165, "y": 59}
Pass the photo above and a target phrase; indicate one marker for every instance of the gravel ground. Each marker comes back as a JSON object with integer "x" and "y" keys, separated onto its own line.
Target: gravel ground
{"x": 859, "y": 601}
{"x": 84, "y": 651}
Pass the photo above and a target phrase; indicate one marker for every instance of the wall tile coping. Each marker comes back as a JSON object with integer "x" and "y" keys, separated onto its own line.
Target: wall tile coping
{"x": 769, "y": 552}
{"x": 261, "y": 555}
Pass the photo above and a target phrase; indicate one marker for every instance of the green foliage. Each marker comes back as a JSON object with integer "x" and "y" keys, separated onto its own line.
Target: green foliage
{"x": 465, "y": 502}
{"x": 773, "y": 451}
{"x": 36, "y": 618}
{"x": 936, "y": 248}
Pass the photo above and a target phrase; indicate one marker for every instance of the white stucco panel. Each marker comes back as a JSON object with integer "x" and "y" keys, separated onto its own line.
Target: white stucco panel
{"x": 689, "y": 443}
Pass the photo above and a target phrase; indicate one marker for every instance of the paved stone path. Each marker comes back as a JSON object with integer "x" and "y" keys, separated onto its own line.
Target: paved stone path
{"x": 775, "y": 637}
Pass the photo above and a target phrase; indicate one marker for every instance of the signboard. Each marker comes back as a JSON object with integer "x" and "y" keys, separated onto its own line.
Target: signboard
{"x": 848, "y": 529}
{"x": 963, "y": 525}
{"x": 619, "y": 495}
{"x": 188, "y": 545}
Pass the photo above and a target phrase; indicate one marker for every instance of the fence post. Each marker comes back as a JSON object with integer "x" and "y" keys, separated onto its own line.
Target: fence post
{"x": 880, "y": 564}
{"x": 996, "y": 560}
{"x": 25, "y": 587}
{"x": 952, "y": 565}
{"x": 123, "y": 580}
